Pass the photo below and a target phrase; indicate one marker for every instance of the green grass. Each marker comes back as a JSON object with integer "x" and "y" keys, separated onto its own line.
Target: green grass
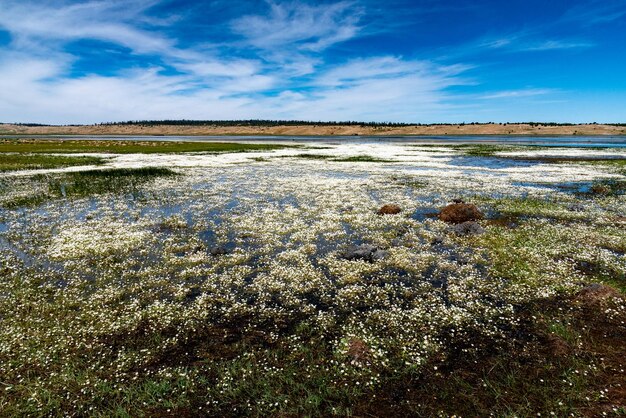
{"x": 484, "y": 150}
{"x": 475, "y": 150}
{"x": 611, "y": 162}
{"x": 522, "y": 254}
{"x": 529, "y": 207}
{"x": 526, "y": 206}
{"x": 564, "y": 331}
{"x": 411, "y": 182}
{"x": 516, "y": 389}
{"x": 88, "y": 183}
{"x": 618, "y": 165}
{"x": 505, "y": 386}
{"x": 13, "y": 162}
{"x": 35, "y": 199}
{"x": 127, "y": 147}
{"x": 599, "y": 161}
{"x": 608, "y": 188}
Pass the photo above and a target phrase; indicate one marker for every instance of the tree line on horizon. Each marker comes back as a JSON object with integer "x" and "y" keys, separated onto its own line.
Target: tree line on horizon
{"x": 271, "y": 123}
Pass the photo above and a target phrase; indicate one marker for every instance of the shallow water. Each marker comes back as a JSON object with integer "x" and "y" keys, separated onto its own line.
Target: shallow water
{"x": 547, "y": 141}
{"x": 212, "y": 197}
{"x": 490, "y": 162}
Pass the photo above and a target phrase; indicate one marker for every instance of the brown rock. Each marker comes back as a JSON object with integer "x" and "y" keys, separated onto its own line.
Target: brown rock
{"x": 389, "y": 210}
{"x": 457, "y": 213}
{"x": 359, "y": 351}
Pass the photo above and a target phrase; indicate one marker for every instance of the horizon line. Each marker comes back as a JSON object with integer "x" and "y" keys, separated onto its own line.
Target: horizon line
{"x": 295, "y": 122}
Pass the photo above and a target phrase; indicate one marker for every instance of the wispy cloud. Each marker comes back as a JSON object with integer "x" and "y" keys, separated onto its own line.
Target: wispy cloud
{"x": 144, "y": 93}
{"x": 284, "y": 59}
{"x": 44, "y": 25}
{"x": 497, "y": 43}
{"x": 528, "y": 41}
{"x": 596, "y": 12}
{"x": 44, "y": 29}
{"x": 551, "y": 45}
{"x": 388, "y": 67}
{"x": 516, "y": 94}
{"x": 378, "y": 88}
{"x": 300, "y": 25}
{"x": 382, "y": 88}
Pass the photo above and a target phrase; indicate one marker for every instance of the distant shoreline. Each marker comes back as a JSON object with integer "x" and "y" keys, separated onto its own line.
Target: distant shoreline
{"x": 512, "y": 130}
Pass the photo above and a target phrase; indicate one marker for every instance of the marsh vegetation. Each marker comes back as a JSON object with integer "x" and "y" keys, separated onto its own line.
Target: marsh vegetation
{"x": 51, "y": 146}
{"x": 22, "y": 161}
{"x": 234, "y": 284}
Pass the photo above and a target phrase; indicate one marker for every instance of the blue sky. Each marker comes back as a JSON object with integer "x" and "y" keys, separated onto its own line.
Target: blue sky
{"x": 423, "y": 61}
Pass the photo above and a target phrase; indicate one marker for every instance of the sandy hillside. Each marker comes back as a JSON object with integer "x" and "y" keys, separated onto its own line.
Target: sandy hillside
{"x": 485, "y": 129}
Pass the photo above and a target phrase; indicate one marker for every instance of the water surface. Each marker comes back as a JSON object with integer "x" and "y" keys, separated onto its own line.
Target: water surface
{"x": 545, "y": 141}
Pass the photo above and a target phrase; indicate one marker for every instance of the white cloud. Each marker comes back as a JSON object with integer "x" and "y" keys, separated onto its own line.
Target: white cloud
{"x": 596, "y": 12}
{"x": 42, "y": 30}
{"x": 551, "y": 45}
{"x": 498, "y": 43}
{"x": 37, "y": 83}
{"x": 528, "y": 42}
{"x": 207, "y": 68}
{"x": 307, "y": 27}
{"x": 32, "y": 23}
{"x": 377, "y": 88}
{"x": 372, "y": 92}
{"x": 361, "y": 70}
{"x": 516, "y": 94}
{"x": 40, "y": 95}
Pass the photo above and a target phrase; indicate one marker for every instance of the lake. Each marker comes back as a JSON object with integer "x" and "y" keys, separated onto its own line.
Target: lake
{"x": 549, "y": 141}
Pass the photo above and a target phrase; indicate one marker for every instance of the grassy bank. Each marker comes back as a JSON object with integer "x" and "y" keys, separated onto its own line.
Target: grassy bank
{"x": 125, "y": 147}
{"x": 13, "y": 162}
